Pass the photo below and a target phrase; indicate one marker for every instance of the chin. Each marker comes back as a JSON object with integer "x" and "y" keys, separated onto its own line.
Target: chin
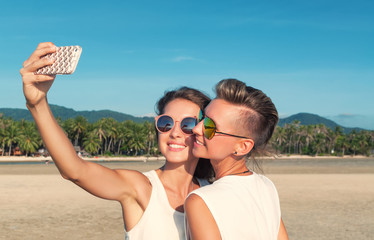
{"x": 199, "y": 153}
{"x": 175, "y": 158}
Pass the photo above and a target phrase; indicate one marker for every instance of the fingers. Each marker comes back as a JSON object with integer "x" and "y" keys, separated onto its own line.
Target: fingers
{"x": 41, "y": 50}
{"x": 44, "y": 45}
{"x": 36, "y": 61}
{"x": 33, "y": 66}
{"x": 31, "y": 78}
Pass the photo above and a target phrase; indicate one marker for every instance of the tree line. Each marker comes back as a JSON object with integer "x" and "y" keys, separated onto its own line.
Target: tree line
{"x": 110, "y": 137}
{"x": 319, "y": 140}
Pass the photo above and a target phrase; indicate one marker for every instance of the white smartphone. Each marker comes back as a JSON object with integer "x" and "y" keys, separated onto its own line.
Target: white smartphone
{"x": 66, "y": 61}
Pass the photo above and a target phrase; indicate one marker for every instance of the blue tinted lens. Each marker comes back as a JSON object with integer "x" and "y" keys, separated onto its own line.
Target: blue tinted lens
{"x": 165, "y": 123}
{"x": 188, "y": 124}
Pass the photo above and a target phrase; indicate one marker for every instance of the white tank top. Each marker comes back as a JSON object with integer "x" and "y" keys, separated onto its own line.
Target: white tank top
{"x": 244, "y": 207}
{"x": 159, "y": 220}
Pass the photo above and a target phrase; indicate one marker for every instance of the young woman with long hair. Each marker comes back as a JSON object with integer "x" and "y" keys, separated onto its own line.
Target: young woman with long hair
{"x": 152, "y": 202}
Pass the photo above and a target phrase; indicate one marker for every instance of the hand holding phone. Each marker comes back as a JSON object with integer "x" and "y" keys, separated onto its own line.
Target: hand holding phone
{"x": 66, "y": 61}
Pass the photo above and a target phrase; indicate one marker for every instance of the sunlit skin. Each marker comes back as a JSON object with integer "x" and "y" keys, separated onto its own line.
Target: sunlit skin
{"x": 220, "y": 149}
{"x": 227, "y": 155}
{"x": 177, "y": 147}
{"x": 130, "y": 188}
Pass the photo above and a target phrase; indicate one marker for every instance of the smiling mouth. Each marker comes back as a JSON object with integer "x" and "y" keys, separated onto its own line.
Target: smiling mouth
{"x": 176, "y": 146}
{"x": 199, "y": 143}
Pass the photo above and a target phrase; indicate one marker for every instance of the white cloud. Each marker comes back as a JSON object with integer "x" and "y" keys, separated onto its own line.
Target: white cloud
{"x": 184, "y": 58}
{"x": 354, "y": 120}
{"x": 148, "y": 115}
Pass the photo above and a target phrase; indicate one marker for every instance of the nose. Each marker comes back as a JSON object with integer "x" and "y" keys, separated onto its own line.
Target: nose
{"x": 176, "y": 131}
{"x": 198, "y": 129}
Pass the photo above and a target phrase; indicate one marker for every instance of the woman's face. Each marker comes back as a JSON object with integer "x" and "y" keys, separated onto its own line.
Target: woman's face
{"x": 220, "y": 146}
{"x": 175, "y": 145}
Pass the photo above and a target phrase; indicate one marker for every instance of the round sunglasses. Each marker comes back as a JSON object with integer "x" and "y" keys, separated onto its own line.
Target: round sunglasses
{"x": 210, "y": 128}
{"x": 165, "y": 123}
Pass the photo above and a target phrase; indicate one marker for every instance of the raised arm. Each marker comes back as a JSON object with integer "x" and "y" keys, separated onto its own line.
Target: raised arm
{"x": 96, "y": 179}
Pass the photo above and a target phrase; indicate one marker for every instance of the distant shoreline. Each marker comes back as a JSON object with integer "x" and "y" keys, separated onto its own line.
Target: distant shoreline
{"x": 161, "y": 158}
{"x": 94, "y": 159}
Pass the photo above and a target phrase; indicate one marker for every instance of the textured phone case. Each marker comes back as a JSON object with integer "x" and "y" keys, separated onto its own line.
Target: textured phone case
{"x": 66, "y": 61}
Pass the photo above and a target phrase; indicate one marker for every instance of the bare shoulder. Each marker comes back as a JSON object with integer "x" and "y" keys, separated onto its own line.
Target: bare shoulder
{"x": 128, "y": 173}
{"x": 194, "y": 200}
{"x": 195, "y": 206}
{"x": 140, "y": 182}
{"x": 200, "y": 221}
{"x": 134, "y": 178}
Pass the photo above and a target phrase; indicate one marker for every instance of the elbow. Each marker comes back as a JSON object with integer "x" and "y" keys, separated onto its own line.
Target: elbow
{"x": 73, "y": 172}
{"x": 70, "y": 177}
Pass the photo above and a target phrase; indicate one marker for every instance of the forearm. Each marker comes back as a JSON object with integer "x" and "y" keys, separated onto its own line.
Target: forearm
{"x": 58, "y": 145}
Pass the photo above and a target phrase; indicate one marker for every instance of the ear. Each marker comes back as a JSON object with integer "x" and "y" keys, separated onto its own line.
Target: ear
{"x": 244, "y": 146}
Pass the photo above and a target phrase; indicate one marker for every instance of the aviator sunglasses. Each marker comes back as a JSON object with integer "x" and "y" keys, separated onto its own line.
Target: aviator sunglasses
{"x": 165, "y": 123}
{"x": 210, "y": 128}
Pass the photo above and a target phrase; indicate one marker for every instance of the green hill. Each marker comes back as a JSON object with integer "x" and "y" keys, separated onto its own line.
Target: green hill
{"x": 313, "y": 119}
{"x": 66, "y": 113}
{"x": 93, "y": 116}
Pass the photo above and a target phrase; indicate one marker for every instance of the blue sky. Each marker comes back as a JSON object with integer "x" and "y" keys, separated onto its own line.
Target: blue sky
{"x": 308, "y": 56}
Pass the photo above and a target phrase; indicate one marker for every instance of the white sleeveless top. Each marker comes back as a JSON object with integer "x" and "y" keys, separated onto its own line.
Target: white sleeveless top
{"x": 159, "y": 220}
{"x": 244, "y": 207}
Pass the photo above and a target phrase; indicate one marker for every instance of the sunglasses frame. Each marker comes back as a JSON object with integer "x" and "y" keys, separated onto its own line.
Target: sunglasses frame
{"x": 174, "y": 123}
{"x": 202, "y": 117}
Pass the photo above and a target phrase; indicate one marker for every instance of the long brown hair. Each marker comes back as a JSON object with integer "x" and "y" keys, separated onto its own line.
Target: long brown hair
{"x": 204, "y": 168}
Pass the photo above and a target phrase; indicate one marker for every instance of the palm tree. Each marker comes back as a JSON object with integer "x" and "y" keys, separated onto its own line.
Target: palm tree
{"x": 111, "y": 129}
{"x": 342, "y": 144}
{"x": 3, "y": 125}
{"x": 290, "y": 132}
{"x": 30, "y": 139}
{"x": 91, "y": 142}
{"x": 124, "y": 134}
{"x": 137, "y": 138}
{"x": 151, "y": 135}
{"x": 78, "y": 127}
{"x": 319, "y": 143}
{"x": 100, "y": 131}
{"x": 66, "y": 126}
{"x": 278, "y": 139}
{"x": 12, "y": 135}
{"x": 2, "y": 140}
{"x": 364, "y": 145}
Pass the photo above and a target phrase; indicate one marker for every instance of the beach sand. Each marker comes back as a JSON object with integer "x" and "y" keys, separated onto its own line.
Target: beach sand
{"x": 320, "y": 199}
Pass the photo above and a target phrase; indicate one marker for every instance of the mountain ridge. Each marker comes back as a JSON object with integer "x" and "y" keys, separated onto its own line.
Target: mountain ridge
{"x": 94, "y": 115}
{"x": 65, "y": 113}
{"x": 314, "y": 119}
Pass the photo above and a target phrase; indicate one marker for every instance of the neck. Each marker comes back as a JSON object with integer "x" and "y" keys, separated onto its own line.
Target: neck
{"x": 230, "y": 166}
{"x": 178, "y": 176}
{"x": 177, "y": 180}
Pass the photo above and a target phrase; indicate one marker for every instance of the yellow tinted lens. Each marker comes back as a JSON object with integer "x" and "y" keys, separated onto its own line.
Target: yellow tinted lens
{"x": 209, "y": 128}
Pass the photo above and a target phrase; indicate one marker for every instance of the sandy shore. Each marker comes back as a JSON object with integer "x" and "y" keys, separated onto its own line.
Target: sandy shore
{"x": 320, "y": 199}
{"x": 146, "y": 159}
{"x": 103, "y": 159}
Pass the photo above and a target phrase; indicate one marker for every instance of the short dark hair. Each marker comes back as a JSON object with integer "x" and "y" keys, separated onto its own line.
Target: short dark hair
{"x": 261, "y": 118}
{"x": 204, "y": 168}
